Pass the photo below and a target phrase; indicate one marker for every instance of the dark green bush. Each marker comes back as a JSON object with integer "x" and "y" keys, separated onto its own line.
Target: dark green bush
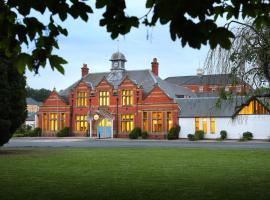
{"x": 199, "y": 135}
{"x": 144, "y": 135}
{"x": 247, "y": 135}
{"x": 23, "y": 131}
{"x": 173, "y": 133}
{"x": 135, "y": 133}
{"x": 63, "y": 133}
{"x": 170, "y": 136}
{"x": 191, "y": 137}
{"x": 35, "y": 133}
{"x": 223, "y": 134}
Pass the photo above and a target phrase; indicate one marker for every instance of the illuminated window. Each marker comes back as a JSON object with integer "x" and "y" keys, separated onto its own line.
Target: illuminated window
{"x": 169, "y": 121}
{"x": 81, "y": 123}
{"x": 63, "y": 120}
{"x": 53, "y": 122}
{"x": 254, "y": 108}
{"x": 127, "y": 123}
{"x": 204, "y": 125}
{"x": 104, "y": 98}
{"x": 197, "y": 123}
{"x": 81, "y": 100}
{"x": 45, "y": 121}
{"x": 145, "y": 121}
{"x": 127, "y": 97}
{"x": 157, "y": 121}
{"x": 212, "y": 125}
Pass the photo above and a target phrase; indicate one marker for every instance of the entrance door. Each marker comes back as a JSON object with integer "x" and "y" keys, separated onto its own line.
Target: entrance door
{"x": 104, "y": 129}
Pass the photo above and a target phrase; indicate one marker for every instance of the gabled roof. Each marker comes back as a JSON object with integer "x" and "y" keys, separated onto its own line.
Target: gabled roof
{"x": 31, "y": 101}
{"x": 207, "y": 106}
{"x": 210, "y": 79}
{"x": 144, "y": 78}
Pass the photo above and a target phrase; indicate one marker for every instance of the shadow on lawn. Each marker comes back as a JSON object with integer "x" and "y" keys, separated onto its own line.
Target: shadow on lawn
{"x": 4, "y": 152}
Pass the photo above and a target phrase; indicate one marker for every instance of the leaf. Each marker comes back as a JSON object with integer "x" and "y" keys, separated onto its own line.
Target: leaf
{"x": 56, "y": 62}
{"x": 21, "y": 61}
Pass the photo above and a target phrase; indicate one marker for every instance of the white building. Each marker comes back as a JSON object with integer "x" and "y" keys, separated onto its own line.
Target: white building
{"x": 209, "y": 115}
{"x": 32, "y": 109}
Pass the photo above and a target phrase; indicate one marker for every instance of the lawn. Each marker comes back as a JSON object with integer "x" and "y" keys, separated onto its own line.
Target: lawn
{"x": 129, "y": 173}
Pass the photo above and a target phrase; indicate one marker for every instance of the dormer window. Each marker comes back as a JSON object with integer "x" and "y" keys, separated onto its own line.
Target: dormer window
{"x": 81, "y": 99}
{"x": 104, "y": 99}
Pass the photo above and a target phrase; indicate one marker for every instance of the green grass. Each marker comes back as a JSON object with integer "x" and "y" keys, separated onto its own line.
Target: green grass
{"x": 143, "y": 173}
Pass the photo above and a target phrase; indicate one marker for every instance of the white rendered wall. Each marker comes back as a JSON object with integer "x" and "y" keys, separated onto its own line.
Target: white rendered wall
{"x": 259, "y": 125}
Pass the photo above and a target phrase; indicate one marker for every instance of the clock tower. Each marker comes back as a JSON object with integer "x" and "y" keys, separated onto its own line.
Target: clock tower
{"x": 118, "y": 61}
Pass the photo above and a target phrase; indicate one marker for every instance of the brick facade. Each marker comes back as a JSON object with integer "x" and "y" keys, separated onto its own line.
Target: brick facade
{"x": 154, "y": 111}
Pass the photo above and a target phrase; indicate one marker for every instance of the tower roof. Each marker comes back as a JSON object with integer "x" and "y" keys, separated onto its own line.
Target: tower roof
{"x": 118, "y": 56}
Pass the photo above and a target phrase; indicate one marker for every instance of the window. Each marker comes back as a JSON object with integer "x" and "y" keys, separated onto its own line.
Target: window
{"x": 53, "y": 122}
{"x": 45, "y": 121}
{"x": 63, "y": 120}
{"x": 197, "y": 124}
{"x": 238, "y": 88}
{"x": 81, "y": 100}
{"x": 200, "y": 88}
{"x": 104, "y": 98}
{"x": 156, "y": 121}
{"x": 127, "y": 123}
{"x": 254, "y": 107}
{"x": 81, "y": 123}
{"x": 248, "y": 110}
{"x": 212, "y": 125}
{"x": 145, "y": 121}
{"x": 227, "y": 89}
{"x": 127, "y": 97}
{"x": 204, "y": 125}
{"x": 169, "y": 121}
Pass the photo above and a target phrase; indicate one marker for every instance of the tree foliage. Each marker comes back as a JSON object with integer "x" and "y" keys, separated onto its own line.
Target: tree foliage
{"x": 248, "y": 58}
{"x": 38, "y": 94}
{"x": 12, "y": 100}
{"x": 193, "y": 22}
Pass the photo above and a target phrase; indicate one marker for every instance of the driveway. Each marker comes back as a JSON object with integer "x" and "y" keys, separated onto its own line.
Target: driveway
{"x": 105, "y": 143}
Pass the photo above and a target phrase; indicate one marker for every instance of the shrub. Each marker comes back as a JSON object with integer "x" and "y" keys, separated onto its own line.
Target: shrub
{"x": 223, "y": 134}
{"x": 170, "y": 136}
{"x": 173, "y": 133}
{"x": 135, "y": 133}
{"x": 247, "y": 135}
{"x": 144, "y": 134}
{"x": 63, "y": 133}
{"x": 191, "y": 137}
{"x": 199, "y": 135}
{"x": 35, "y": 133}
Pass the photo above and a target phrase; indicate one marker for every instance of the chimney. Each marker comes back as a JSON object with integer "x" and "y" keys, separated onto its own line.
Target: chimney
{"x": 155, "y": 66}
{"x": 85, "y": 70}
{"x": 200, "y": 72}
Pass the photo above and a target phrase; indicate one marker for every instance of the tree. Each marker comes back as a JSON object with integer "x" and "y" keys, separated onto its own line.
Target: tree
{"x": 193, "y": 22}
{"x": 248, "y": 58}
{"x": 38, "y": 94}
{"x": 12, "y": 100}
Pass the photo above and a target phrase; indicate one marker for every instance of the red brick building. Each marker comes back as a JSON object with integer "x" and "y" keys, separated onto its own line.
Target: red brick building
{"x": 210, "y": 84}
{"x": 111, "y": 104}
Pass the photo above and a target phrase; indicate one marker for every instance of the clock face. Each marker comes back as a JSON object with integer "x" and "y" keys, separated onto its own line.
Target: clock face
{"x": 115, "y": 64}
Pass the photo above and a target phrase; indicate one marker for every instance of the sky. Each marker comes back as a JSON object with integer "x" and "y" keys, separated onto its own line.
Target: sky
{"x": 91, "y": 44}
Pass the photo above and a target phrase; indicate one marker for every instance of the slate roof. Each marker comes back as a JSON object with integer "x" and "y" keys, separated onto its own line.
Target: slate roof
{"x": 210, "y": 79}
{"x": 144, "y": 78}
{"x": 207, "y": 106}
{"x": 31, "y": 101}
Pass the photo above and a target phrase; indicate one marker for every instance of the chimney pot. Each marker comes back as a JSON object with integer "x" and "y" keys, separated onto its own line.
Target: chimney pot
{"x": 155, "y": 66}
{"x": 85, "y": 70}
